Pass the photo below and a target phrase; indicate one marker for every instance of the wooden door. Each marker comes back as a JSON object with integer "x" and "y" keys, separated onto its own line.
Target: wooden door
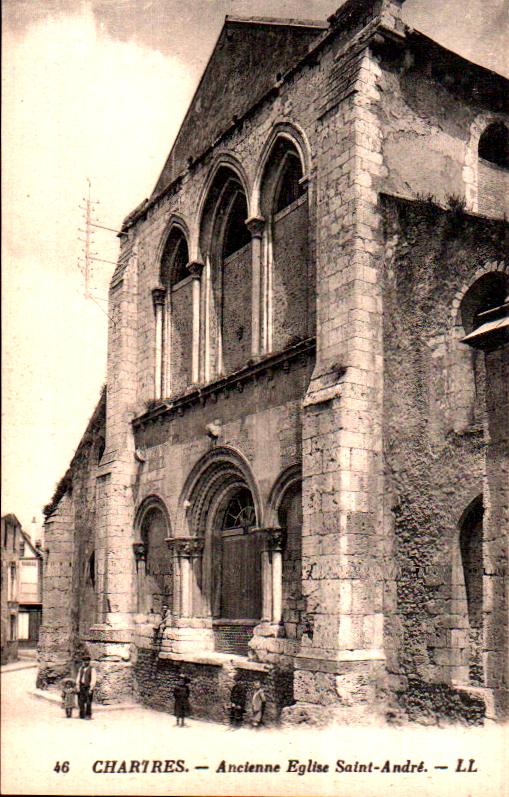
{"x": 241, "y": 577}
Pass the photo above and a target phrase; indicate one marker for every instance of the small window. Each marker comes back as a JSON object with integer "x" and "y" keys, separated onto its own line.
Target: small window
{"x": 289, "y": 187}
{"x": 91, "y": 569}
{"x": 240, "y": 512}
{"x": 101, "y": 444}
{"x": 22, "y": 549}
{"x": 236, "y": 234}
{"x": 494, "y": 145}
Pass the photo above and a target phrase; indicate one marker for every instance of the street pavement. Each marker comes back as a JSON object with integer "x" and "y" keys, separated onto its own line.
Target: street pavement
{"x": 45, "y": 753}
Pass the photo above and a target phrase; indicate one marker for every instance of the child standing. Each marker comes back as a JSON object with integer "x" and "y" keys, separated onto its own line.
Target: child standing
{"x": 181, "y": 697}
{"x": 68, "y": 696}
{"x": 258, "y": 701}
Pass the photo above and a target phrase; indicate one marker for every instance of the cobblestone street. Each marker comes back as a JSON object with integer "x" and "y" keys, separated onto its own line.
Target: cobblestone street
{"x": 36, "y": 735}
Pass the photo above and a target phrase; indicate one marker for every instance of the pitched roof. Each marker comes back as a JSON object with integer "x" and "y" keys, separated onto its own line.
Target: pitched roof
{"x": 245, "y": 63}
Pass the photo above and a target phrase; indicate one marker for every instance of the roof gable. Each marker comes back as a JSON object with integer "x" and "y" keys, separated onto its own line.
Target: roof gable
{"x": 244, "y": 65}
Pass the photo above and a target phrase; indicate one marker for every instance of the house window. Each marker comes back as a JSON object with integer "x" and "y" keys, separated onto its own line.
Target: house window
{"x": 22, "y": 549}
{"x": 11, "y": 584}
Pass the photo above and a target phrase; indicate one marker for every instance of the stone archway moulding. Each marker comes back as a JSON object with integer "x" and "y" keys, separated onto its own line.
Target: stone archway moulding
{"x": 203, "y": 476}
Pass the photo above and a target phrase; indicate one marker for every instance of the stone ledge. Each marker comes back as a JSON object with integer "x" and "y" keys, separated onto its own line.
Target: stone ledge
{"x": 332, "y": 663}
{"x": 216, "y": 660}
{"x": 109, "y": 634}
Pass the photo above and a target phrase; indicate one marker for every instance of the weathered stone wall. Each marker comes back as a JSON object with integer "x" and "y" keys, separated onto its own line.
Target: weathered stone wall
{"x": 433, "y": 471}
{"x": 210, "y": 687}
{"x": 262, "y": 422}
{"x": 237, "y": 290}
{"x": 293, "y": 291}
{"x": 431, "y": 123}
{"x": 70, "y": 570}
{"x": 180, "y": 334}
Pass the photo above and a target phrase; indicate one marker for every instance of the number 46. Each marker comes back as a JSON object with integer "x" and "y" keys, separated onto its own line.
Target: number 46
{"x": 61, "y": 767}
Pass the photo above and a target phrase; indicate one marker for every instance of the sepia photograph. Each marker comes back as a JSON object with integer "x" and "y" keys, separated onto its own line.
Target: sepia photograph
{"x": 255, "y": 405}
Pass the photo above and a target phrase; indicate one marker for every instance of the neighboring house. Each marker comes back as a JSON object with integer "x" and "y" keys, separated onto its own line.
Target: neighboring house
{"x": 298, "y": 470}
{"x": 11, "y": 536}
{"x": 29, "y": 592}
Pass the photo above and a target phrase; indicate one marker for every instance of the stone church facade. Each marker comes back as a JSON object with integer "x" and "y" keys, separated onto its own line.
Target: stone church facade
{"x": 298, "y": 470}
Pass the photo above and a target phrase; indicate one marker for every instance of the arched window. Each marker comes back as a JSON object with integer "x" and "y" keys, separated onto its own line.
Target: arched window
{"x": 91, "y": 569}
{"x": 239, "y": 512}
{"x": 289, "y": 274}
{"x": 493, "y": 170}
{"x": 156, "y": 587}
{"x": 471, "y": 548}
{"x": 236, "y": 234}
{"x": 224, "y": 241}
{"x": 289, "y": 187}
{"x": 484, "y": 311}
{"x": 494, "y": 145}
{"x": 176, "y": 368}
{"x": 290, "y": 519}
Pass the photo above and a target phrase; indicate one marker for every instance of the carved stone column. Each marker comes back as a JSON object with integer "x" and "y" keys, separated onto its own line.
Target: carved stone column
{"x": 158, "y": 298}
{"x": 256, "y": 226}
{"x": 140, "y": 556}
{"x": 195, "y": 268}
{"x": 275, "y": 543}
{"x": 188, "y": 551}
{"x": 191, "y": 634}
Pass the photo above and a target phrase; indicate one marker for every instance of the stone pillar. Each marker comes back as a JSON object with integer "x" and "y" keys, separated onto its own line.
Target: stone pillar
{"x": 190, "y": 634}
{"x": 275, "y": 538}
{"x": 195, "y": 268}
{"x": 110, "y": 641}
{"x": 158, "y": 298}
{"x": 340, "y": 669}
{"x": 140, "y": 555}
{"x": 256, "y": 226}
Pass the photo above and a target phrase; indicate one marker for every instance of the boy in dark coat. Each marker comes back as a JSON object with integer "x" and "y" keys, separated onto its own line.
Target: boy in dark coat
{"x": 181, "y": 697}
{"x": 237, "y": 705}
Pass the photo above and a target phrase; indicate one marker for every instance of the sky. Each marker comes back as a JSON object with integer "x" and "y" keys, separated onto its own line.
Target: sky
{"x": 97, "y": 90}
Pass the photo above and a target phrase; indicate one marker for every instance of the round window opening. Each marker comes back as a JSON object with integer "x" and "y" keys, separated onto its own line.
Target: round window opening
{"x": 240, "y": 511}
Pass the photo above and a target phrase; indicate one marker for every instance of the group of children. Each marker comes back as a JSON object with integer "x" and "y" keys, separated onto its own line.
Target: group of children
{"x": 236, "y": 708}
{"x": 181, "y": 693}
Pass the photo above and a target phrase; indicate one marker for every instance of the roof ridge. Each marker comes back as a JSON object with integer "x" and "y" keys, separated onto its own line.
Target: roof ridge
{"x": 288, "y": 22}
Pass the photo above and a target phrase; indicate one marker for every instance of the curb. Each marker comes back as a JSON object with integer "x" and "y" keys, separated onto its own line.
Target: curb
{"x": 8, "y": 668}
{"x": 52, "y": 697}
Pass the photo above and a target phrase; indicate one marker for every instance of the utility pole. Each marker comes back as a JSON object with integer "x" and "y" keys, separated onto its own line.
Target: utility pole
{"x": 88, "y": 255}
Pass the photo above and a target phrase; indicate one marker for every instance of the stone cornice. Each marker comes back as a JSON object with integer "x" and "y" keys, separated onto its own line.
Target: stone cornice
{"x": 282, "y": 360}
